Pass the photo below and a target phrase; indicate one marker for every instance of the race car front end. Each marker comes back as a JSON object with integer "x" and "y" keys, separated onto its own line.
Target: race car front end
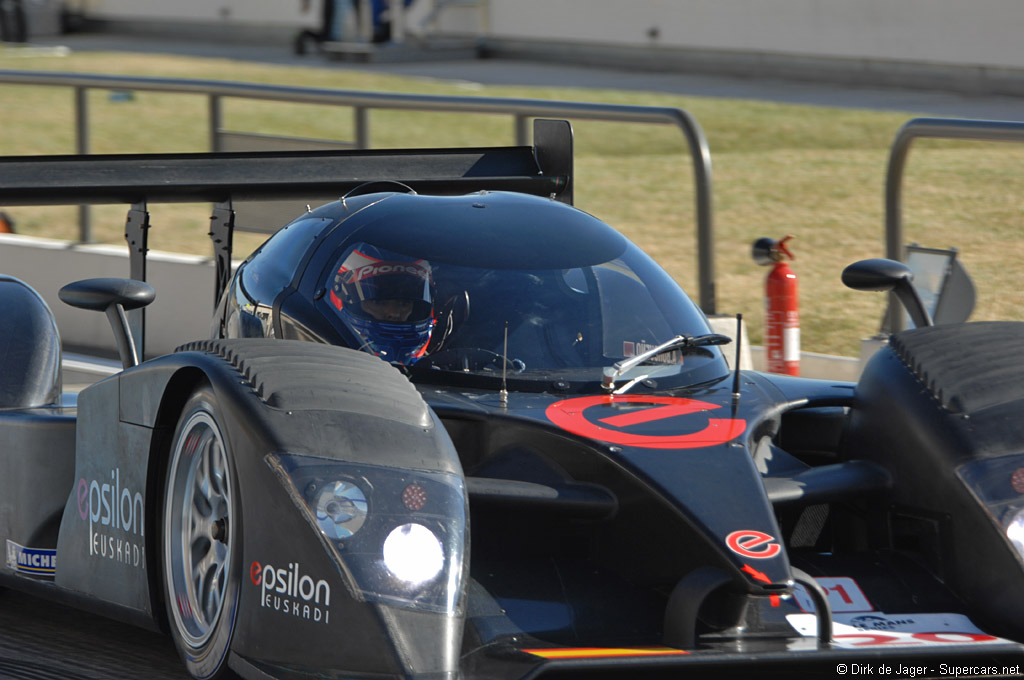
{"x": 353, "y": 523}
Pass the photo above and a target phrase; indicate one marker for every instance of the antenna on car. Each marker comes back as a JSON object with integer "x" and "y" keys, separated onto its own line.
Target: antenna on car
{"x": 739, "y": 343}
{"x": 378, "y": 185}
{"x": 503, "y": 394}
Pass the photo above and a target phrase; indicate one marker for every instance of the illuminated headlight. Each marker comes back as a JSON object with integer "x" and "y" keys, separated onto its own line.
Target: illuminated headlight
{"x": 1015, "y": 531}
{"x": 340, "y": 509}
{"x": 413, "y": 554}
{"x": 398, "y": 536}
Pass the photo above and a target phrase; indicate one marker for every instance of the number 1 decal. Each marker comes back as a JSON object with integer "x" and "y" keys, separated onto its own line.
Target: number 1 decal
{"x": 844, "y": 595}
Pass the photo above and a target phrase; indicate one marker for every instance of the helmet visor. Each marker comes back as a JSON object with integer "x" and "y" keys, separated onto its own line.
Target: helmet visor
{"x": 390, "y": 291}
{"x": 386, "y": 299}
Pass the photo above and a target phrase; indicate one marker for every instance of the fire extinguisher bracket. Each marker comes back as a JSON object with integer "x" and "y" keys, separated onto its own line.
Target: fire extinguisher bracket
{"x": 768, "y": 251}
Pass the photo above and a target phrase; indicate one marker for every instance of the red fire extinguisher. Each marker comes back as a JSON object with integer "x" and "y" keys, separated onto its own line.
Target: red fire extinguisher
{"x": 782, "y": 307}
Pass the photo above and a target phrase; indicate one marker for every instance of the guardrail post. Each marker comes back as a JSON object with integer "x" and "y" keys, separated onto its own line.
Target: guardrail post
{"x": 361, "y": 121}
{"x": 523, "y": 129}
{"x": 216, "y": 121}
{"x": 700, "y": 155}
{"x": 82, "y": 148}
{"x": 934, "y": 128}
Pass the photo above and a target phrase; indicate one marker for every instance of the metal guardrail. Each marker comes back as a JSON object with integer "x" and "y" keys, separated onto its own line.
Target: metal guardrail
{"x": 933, "y": 128}
{"x": 523, "y": 110}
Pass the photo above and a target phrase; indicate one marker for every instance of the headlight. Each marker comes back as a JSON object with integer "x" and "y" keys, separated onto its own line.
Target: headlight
{"x": 998, "y": 483}
{"x": 398, "y": 536}
{"x": 413, "y": 554}
{"x": 340, "y": 509}
{"x": 1015, "y": 531}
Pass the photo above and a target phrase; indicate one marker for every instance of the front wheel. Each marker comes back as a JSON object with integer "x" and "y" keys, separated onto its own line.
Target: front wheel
{"x": 201, "y": 539}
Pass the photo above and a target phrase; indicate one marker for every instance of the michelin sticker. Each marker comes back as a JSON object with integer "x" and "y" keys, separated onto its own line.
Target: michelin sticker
{"x": 35, "y": 561}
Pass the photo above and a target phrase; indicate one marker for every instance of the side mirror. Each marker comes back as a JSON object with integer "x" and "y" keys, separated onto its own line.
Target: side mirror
{"x": 112, "y": 296}
{"x": 889, "y": 275}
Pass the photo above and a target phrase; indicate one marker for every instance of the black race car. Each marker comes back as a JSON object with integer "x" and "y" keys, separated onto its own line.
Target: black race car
{"x": 450, "y": 426}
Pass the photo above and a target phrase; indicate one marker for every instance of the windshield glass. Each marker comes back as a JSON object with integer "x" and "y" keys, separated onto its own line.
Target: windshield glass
{"x": 564, "y": 323}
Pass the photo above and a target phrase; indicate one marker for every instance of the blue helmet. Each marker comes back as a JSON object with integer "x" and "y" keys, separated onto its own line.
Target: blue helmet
{"x": 386, "y": 299}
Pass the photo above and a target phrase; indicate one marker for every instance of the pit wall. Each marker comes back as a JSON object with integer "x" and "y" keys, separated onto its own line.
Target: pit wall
{"x": 953, "y": 45}
{"x": 180, "y": 313}
{"x": 948, "y": 45}
{"x": 976, "y": 33}
{"x": 953, "y": 32}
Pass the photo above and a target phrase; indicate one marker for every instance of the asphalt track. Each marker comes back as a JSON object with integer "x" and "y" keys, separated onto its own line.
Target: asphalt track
{"x": 41, "y": 640}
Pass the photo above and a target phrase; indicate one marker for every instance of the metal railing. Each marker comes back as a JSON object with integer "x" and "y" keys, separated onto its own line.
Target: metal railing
{"x": 932, "y": 128}
{"x": 522, "y": 110}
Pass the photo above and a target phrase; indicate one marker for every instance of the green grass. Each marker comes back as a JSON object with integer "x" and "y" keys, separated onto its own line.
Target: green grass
{"x": 816, "y": 173}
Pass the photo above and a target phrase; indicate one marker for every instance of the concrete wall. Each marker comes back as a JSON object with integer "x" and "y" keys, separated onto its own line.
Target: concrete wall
{"x": 180, "y": 313}
{"x": 954, "y": 45}
{"x": 228, "y": 12}
{"x": 460, "y": 18}
{"x": 974, "y": 33}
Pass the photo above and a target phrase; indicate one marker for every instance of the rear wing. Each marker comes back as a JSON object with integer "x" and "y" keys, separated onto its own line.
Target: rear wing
{"x": 225, "y": 179}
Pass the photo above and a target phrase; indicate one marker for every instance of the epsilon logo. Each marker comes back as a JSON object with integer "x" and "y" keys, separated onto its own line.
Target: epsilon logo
{"x": 755, "y": 545}
{"x": 625, "y": 419}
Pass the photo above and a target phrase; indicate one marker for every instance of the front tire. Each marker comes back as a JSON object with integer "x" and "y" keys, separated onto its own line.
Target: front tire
{"x": 201, "y": 539}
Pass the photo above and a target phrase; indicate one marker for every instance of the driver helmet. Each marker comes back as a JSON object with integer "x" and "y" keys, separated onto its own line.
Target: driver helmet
{"x": 386, "y": 299}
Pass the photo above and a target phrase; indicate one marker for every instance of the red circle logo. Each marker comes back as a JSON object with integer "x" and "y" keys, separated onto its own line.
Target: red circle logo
{"x": 756, "y": 545}
{"x": 414, "y": 497}
{"x": 1016, "y": 481}
{"x": 571, "y": 415}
